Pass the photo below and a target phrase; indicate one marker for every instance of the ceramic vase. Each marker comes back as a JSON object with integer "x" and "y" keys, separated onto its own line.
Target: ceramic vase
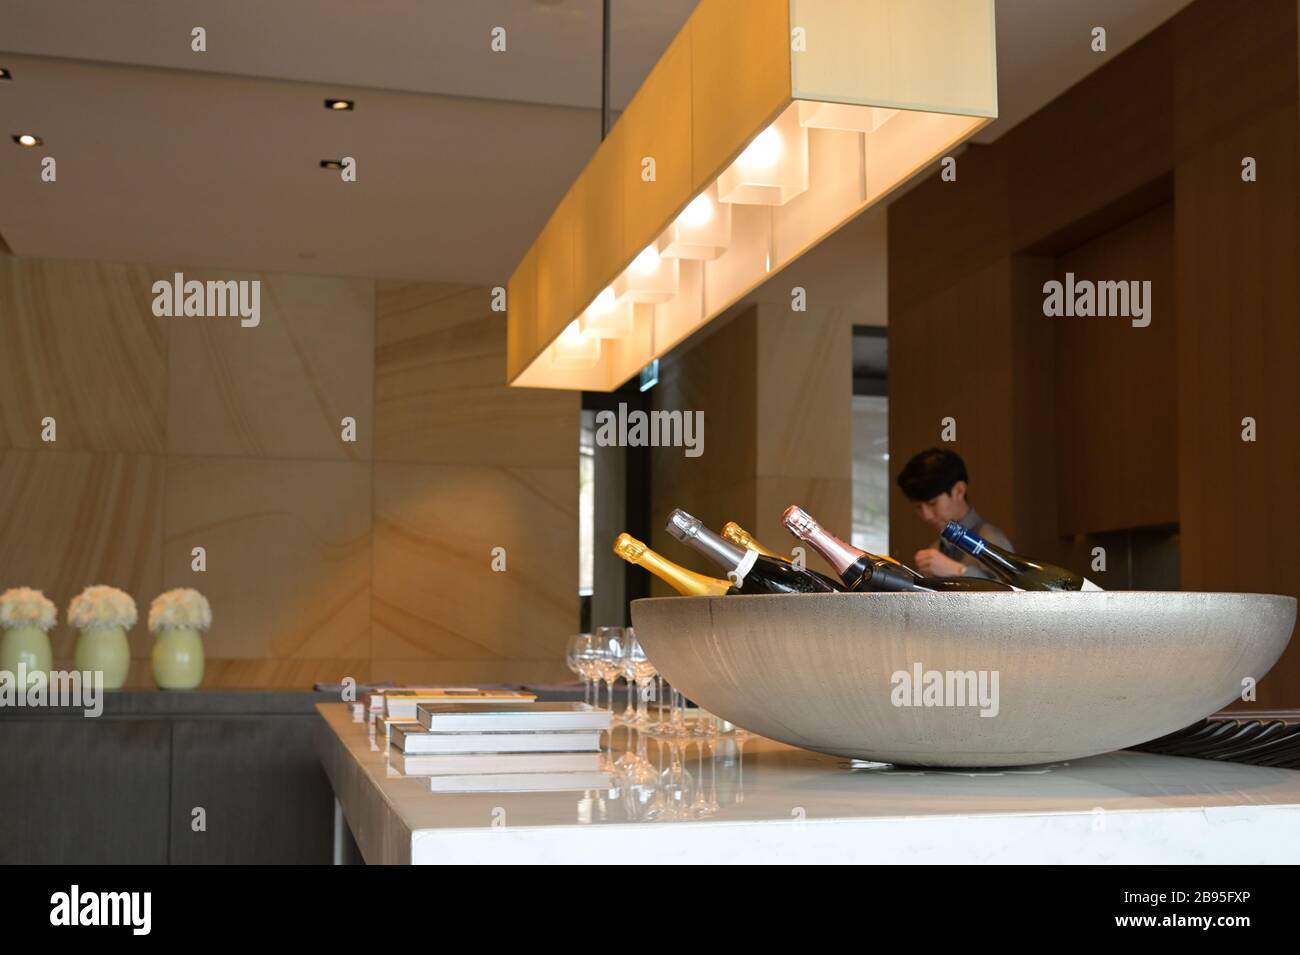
{"x": 105, "y": 649}
{"x": 29, "y": 646}
{"x": 178, "y": 658}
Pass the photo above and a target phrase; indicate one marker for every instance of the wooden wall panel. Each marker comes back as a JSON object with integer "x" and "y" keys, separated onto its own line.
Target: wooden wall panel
{"x": 1238, "y": 256}
{"x": 949, "y": 229}
{"x": 1239, "y": 348}
{"x": 1099, "y": 141}
{"x": 1032, "y": 523}
{"x": 1116, "y": 388}
{"x": 1229, "y": 67}
{"x": 951, "y": 356}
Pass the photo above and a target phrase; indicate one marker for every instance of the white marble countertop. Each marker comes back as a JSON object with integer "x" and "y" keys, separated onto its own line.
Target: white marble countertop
{"x": 775, "y": 803}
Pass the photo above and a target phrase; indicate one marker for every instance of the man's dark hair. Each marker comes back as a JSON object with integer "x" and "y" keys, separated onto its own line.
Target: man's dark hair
{"x": 931, "y": 473}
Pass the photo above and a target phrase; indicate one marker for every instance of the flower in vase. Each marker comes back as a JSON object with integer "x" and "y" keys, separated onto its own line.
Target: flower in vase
{"x": 182, "y": 607}
{"x": 25, "y": 607}
{"x": 102, "y": 608}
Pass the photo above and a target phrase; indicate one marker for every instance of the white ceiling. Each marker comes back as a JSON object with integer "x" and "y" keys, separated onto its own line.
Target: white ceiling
{"x": 170, "y": 156}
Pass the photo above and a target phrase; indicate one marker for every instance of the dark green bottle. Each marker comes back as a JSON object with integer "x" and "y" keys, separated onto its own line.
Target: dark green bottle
{"x": 1016, "y": 570}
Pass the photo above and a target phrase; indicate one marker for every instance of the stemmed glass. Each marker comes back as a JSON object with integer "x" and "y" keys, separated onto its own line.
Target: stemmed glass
{"x": 699, "y": 805}
{"x": 639, "y": 672}
{"x": 608, "y": 649}
{"x": 579, "y": 655}
{"x": 705, "y": 723}
{"x": 676, "y": 783}
{"x": 676, "y": 724}
{"x": 627, "y": 669}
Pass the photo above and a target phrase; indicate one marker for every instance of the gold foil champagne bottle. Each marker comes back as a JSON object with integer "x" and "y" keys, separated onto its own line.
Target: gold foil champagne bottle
{"x": 742, "y": 538}
{"x": 685, "y": 582}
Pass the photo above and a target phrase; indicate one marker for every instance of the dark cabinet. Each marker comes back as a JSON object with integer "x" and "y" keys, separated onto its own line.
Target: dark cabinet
{"x": 123, "y": 787}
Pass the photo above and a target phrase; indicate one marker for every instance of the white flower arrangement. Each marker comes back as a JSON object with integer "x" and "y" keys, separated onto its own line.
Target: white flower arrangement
{"x": 102, "y": 608}
{"x": 183, "y": 607}
{"x": 25, "y": 607}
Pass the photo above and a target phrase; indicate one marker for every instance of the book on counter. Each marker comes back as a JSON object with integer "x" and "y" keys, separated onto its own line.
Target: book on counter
{"x": 520, "y": 783}
{"x": 447, "y": 728}
{"x": 400, "y": 702}
{"x": 418, "y": 741}
{"x": 492, "y": 764}
{"x": 511, "y": 718}
{"x": 383, "y": 727}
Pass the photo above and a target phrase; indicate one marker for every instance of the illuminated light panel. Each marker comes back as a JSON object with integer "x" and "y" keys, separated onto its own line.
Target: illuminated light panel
{"x": 574, "y": 350}
{"x": 772, "y": 169}
{"x": 606, "y": 317}
{"x": 702, "y": 231}
{"x": 651, "y": 279}
{"x": 860, "y": 119}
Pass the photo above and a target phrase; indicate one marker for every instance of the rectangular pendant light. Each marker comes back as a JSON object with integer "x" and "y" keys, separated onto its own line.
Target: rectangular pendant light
{"x": 765, "y": 126}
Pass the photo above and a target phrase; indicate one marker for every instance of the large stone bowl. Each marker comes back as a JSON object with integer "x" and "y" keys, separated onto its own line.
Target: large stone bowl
{"x": 1076, "y": 673}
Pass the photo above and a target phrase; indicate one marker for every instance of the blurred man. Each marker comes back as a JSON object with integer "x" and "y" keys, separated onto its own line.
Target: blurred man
{"x": 936, "y": 483}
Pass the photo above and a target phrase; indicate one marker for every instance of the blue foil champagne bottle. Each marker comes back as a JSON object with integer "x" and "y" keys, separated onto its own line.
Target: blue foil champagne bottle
{"x": 1016, "y": 570}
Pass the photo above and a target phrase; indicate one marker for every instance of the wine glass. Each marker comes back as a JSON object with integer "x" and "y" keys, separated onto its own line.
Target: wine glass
{"x": 608, "y": 648}
{"x": 676, "y": 781}
{"x": 578, "y": 656}
{"x": 639, "y": 672}
{"x": 676, "y": 726}
{"x": 699, "y": 806}
{"x": 627, "y": 669}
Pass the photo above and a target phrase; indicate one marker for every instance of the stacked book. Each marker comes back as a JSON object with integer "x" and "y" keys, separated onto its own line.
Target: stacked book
{"x": 393, "y": 705}
{"x": 509, "y": 747}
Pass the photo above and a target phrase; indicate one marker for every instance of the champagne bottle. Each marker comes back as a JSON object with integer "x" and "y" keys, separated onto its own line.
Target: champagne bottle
{"x": 1014, "y": 569}
{"x": 738, "y": 535}
{"x": 742, "y": 538}
{"x": 685, "y": 582}
{"x": 749, "y": 571}
{"x": 862, "y": 571}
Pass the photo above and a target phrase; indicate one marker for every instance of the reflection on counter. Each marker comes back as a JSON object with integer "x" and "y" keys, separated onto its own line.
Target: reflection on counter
{"x": 687, "y": 764}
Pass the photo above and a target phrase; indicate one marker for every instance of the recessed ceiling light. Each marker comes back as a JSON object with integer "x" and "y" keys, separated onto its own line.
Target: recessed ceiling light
{"x": 339, "y": 105}
{"x": 5, "y": 74}
{"x": 27, "y": 139}
{"x": 331, "y": 163}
